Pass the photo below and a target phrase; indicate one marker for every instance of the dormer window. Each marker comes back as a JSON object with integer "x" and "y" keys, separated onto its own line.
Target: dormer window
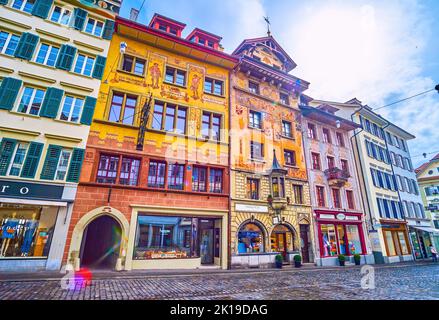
{"x": 164, "y": 28}
{"x": 204, "y": 38}
{"x": 167, "y": 25}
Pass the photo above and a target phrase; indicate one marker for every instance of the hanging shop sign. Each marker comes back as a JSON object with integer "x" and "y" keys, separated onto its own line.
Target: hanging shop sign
{"x": 24, "y": 190}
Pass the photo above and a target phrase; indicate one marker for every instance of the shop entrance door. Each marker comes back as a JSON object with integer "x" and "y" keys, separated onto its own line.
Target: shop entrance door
{"x": 207, "y": 241}
{"x": 304, "y": 231}
{"x": 101, "y": 244}
{"x": 281, "y": 244}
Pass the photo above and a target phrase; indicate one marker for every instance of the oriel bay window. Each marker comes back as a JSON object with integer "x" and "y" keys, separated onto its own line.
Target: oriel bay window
{"x": 211, "y": 126}
{"x": 214, "y": 86}
{"x": 133, "y": 65}
{"x": 169, "y": 117}
{"x": 156, "y": 174}
{"x": 122, "y": 108}
{"x": 175, "y": 76}
{"x": 176, "y": 176}
{"x": 278, "y": 187}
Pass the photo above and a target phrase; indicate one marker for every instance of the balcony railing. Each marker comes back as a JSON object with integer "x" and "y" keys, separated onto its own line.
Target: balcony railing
{"x": 337, "y": 176}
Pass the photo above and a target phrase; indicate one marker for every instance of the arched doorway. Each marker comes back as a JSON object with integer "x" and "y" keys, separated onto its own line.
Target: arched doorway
{"x": 282, "y": 240}
{"x": 100, "y": 244}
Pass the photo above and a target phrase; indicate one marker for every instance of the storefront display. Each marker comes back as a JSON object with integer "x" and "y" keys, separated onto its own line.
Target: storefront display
{"x": 396, "y": 239}
{"x": 24, "y": 231}
{"x": 250, "y": 239}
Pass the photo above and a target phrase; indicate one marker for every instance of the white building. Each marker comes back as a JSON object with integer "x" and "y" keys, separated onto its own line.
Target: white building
{"x": 52, "y": 58}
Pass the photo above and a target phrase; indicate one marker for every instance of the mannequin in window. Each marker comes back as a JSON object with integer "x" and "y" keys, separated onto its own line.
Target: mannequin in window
{"x": 9, "y": 232}
{"x": 30, "y": 228}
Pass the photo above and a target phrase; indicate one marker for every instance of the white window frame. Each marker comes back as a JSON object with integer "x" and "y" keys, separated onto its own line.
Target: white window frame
{"x": 13, "y": 158}
{"x": 85, "y": 63}
{"x": 75, "y": 98}
{"x": 63, "y": 10}
{"x": 22, "y": 5}
{"x": 59, "y": 163}
{"x": 8, "y": 40}
{"x": 23, "y": 89}
{"x": 47, "y": 53}
{"x": 94, "y": 26}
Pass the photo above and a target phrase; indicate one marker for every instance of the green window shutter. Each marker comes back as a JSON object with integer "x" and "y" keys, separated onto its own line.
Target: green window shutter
{"x": 5, "y": 2}
{"x": 52, "y": 158}
{"x": 79, "y": 21}
{"x": 32, "y": 159}
{"x": 75, "y": 165}
{"x": 41, "y": 8}
{"x": 89, "y": 110}
{"x": 8, "y": 92}
{"x": 51, "y": 103}
{"x": 6, "y": 150}
{"x": 108, "y": 29}
{"x": 65, "y": 58}
{"x": 26, "y": 47}
{"x": 98, "y": 70}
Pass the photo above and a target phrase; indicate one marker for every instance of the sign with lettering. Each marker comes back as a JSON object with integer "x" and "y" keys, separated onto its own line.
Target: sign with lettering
{"x": 341, "y": 216}
{"x": 25, "y": 190}
{"x": 251, "y": 208}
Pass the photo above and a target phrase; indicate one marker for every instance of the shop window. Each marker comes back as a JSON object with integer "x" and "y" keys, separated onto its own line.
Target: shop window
{"x": 290, "y": 157}
{"x": 107, "y": 169}
{"x": 340, "y": 139}
{"x": 256, "y": 150}
{"x": 329, "y": 239}
{"x": 391, "y": 251}
{"x": 350, "y": 199}
{"x": 122, "y": 108}
{"x": 253, "y": 87}
{"x": 214, "y": 86}
{"x": 336, "y": 198}
{"x": 94, "y": 27}
{"x": 8, "y": 42}
{"x": 133, "y": 65}
{"x": 354, "y": 239}
{"x": 26, "y": 231}
{"x": 320, "y": 192}
{"x": 175, "y": 76}
{"x": 211, "y": 126}
{"x": 31, "y": 101}
{"x": 326, "y": 136}
{"x": 23, "y": 5}
{"x": 166, "y": 237}
{"x": 341, "y": 239}
{"x": 252, "y": 189}
{"x": 47, "y": 55}
{"x": 199, "y": 175}
{"x": 312, "y": 133}
{"x": 156, "y": 174}
{"x": 250, "y": 239}
{"x": 129, "y": 171}
{"x": 71, "y": 109}
{"x": 61, "y": 15}
{"x": 315, "y": 157}
{"x": 287, "y": 130}
{"x": 176, "y": 176}
{"x": 216, "y": 180}
{"x": 255, "y": 119}
{"x": 18, "y": 159}
{"x": 84, "y": 65}
{"x": 298, "y": 193}
{"x": 278, "y": 187}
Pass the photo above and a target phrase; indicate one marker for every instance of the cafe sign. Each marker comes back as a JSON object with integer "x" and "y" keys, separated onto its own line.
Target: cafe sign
{"x": 25, "y": 190}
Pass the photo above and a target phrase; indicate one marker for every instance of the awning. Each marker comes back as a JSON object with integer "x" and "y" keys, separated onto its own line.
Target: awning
{"x": 427, "y": 229}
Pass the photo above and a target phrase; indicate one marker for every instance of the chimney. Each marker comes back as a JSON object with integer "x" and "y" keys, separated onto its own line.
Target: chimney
{"x": 134, "y": 14}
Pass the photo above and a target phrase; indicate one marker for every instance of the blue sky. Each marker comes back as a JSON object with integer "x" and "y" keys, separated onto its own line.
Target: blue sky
{"x": 377, "y": 51}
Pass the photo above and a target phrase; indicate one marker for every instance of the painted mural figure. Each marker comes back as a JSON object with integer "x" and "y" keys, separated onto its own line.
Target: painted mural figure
{"x": 155, "y": 75}
{"x": 194, "y": 86}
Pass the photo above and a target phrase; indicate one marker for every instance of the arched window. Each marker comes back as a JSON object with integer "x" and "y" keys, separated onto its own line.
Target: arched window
{"x": 250, "y": 239}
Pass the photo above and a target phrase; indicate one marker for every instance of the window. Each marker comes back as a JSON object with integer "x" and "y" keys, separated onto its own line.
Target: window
{"x": 31, "y": 101}
{"x": 312, "y": 133}
{"x": 250, "y": 239}
{"x": 320, "y": 192}
{"x": 84, "y": 65}
{"x": 8, "y": 42}
{"x": 256, "y": 150}
{"x": 253, "y": 87}
{"x": 290, "y": 157}
{"x": 156, "y": 174}
{"x": 122, "y": 108}
{"x": 326, "y": 136}
{"x": 329, "y": 238}
{"x": 287, "y": 129}
{"x": 63, "y": 164}
{"x": 94, "y": 27}
{"x": 169, "y": 117}
{"x": 298, "y": 194}
{"x": 253, "y": 189}
{"x": 47, "y": 55}
{"x": 133, "y": 65}
{"x": 214, "y": 86}
{"x": 216, "y": 180}
{"x": 129, "y": 171}
{"x": 23, "y": 5}
{"x": 255, "y": 119}
{"x": 389, "y": 138}
{"x": 61, "y": 15}
{"x": 344, "y": 166}
{"x": 284, "y": 98}
{"x": 71, "y": 109}
{"x": 18, "y": 159}
{"x": 107, "y": 169}
{"x": 175, "y": 76}
{"x": 315, "y": 157}
{"x": 330, "y": 161}
{"x": 199, "y": 175}
{"x": 340, "y": 139}
{"x": 211, "y": 126}
{"x": 336, "y": 198}
{"x": 350, "y": 199}
{"x": 176, "y": 176}
{"x": 278, "y": 187}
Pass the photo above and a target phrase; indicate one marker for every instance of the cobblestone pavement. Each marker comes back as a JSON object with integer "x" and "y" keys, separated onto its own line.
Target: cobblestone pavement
{"x": 392, "y": 282}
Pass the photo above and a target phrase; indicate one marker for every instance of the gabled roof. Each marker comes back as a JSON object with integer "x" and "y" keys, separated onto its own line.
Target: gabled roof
{"x": 274, "y": 46}
{"x": 424, "y": 166}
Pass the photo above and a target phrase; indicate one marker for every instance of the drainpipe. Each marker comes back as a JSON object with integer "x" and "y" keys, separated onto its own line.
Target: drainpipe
{"x": 229, "y": 215}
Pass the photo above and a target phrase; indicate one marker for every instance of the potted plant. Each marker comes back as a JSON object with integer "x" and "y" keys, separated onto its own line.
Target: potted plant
{"x": 297, "y": 261}
{"x": 357, "y": 259}
{"x": 341, "y": 260}
{"x": 278, "y": 260}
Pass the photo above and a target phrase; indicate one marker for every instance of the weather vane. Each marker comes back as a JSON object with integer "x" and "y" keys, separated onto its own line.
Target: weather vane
{"x": 267, "y": 20}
